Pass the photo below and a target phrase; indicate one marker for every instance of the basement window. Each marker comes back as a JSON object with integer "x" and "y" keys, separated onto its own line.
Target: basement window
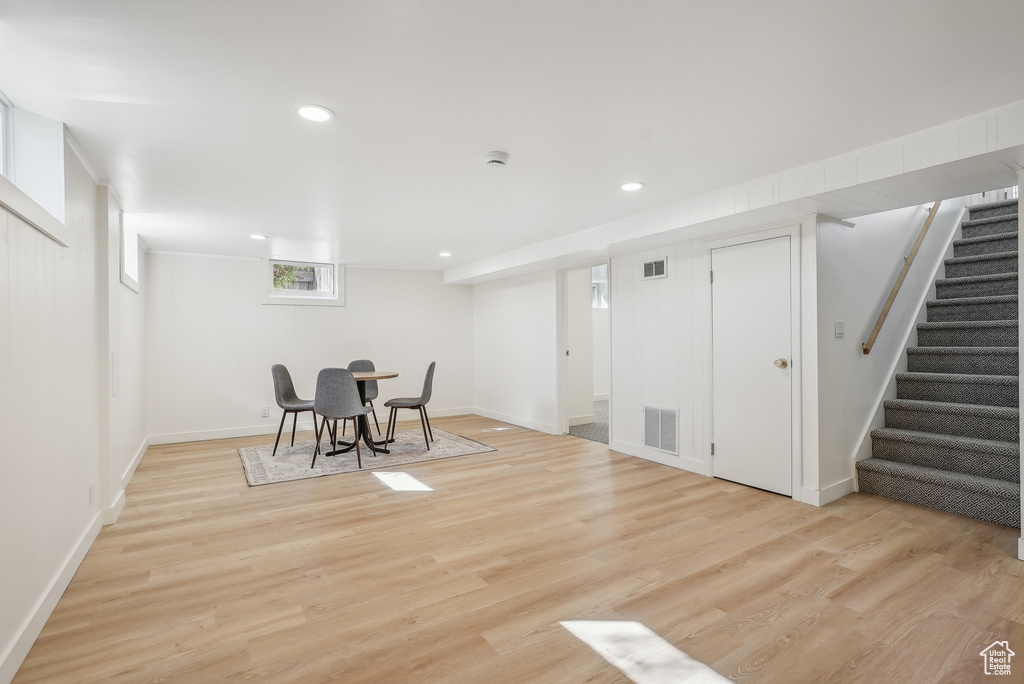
{"x": 305, "y": 282}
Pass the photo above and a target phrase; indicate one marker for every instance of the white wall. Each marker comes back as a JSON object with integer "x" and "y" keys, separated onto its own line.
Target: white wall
{"x": 661, "y": 354}
{"x": 124, "y": 371}
{"x": 857, "y": 268}
{"x": 657, "y": 342}
{"x": 580, "y": 329}
{"x": 50, "y": 348}
{"x": 211, "y": 343}
{"x": 515, "y": 350}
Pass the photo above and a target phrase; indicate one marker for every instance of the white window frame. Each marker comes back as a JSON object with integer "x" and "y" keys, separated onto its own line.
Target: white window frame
{"x": 298, "y": 297}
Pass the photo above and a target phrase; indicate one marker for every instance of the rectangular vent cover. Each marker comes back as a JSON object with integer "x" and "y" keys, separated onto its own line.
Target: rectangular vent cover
{"x": 656, "y": 269}
{"x": 660, "y": 429}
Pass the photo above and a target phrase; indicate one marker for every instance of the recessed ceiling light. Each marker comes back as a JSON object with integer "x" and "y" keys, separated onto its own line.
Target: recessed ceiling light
{"x": 314, "y": 112}
{"x": 446, "y": 254}
{"x": 258, "y": 237}
{"x": 631, "y": 187}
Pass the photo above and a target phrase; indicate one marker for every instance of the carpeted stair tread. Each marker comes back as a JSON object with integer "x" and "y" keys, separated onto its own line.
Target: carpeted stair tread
{"x": 952, "y": 408}
{"x": 976, "y": 286}
{"x": 1008, "y": 380}
{"x": 1000, "y": 208}
{"x": 984, "y": 390}
{"x": 985, "y": 244}
{"x": 1010, "y": 450}
{"x": 989, "y": 220}
{"x": 982, "y": 457}
{"x": 1000, "y": 423}
{"x": 967, "y": 334}
{"x": 986, "y": 308}
{"x": 963, "y": 360}
{"x": 983, "y": 498}
{"x": 995, "y": 225}
{"x": 975, "y": 483}
{"x": 981, "y": 264}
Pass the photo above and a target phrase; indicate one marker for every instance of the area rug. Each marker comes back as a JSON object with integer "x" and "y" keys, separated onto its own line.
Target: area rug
{"x": 292, "y": 462}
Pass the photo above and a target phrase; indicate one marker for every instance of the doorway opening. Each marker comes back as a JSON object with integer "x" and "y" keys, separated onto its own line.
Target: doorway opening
{"x": 589, "y": 347}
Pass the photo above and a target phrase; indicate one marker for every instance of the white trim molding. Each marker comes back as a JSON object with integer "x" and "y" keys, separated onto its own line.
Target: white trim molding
{"x": 26, "y": 635}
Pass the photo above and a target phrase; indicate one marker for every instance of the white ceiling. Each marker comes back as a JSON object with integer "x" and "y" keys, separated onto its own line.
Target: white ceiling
{"x": 187, "y": 108}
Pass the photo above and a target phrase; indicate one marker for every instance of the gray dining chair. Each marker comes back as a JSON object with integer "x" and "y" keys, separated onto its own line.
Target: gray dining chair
{"x": 284, "y": 393}
{"x": 418, "y": 403}
{"x": 337, "y": 398}
{"x": 369, "y": 387}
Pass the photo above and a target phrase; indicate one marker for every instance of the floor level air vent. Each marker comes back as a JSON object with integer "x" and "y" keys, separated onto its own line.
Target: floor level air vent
{"x": 656, "y": 269}
{"x": 660, "y": 429}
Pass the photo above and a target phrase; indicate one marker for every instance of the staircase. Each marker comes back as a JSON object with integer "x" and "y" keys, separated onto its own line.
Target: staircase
{"x": 951, "y": 439}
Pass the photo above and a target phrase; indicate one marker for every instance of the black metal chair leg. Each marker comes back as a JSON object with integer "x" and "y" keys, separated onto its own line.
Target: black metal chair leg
{"x": 423, "y": 424}
{"x": 279, "y": 429}
{"x": 390, "y": 434}
{"x": 295, "y": 423}
{"x": 427, "y": 418}
{"x": 316, "y": 449}
{"x": 355, "y": 433}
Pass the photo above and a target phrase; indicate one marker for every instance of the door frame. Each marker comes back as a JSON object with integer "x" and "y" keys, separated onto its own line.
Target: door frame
{"x": 795, "y": 231}
{"x": 562, "y": 335}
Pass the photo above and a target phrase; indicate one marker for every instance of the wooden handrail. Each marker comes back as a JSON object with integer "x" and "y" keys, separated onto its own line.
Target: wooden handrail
{"x": 899, "y": 281}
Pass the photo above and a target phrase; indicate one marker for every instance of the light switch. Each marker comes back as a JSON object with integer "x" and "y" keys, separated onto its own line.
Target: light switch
{"x": 840, "y": 330}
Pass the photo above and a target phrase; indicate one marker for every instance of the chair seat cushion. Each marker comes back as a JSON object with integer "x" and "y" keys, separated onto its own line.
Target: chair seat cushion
{"x": 403, "y": 402}
{"x": 298, "y": 405}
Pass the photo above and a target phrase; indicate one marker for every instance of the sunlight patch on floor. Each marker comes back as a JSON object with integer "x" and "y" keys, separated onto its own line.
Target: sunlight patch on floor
{"x": 402, "y": 482}
{"x": 640, "y": 654}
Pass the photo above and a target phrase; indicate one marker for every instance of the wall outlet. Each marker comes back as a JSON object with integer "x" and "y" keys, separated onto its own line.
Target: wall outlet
{"x": 840, "y": 330}
{"x": 264, "y": 411}
{"x": 92, "y": 492}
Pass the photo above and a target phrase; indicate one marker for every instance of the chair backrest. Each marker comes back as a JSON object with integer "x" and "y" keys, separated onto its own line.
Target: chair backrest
{"x": 428, "y": 383}
{"x": 337, "y": 395}
{"x": 369, "y": 386}
{"x": 284, "y": 390}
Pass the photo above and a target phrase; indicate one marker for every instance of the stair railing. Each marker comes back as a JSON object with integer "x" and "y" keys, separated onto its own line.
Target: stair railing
{"x": 907, "y": 261}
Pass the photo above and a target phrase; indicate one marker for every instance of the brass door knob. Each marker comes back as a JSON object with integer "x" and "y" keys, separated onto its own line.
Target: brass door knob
{"x": 781, "y": 363}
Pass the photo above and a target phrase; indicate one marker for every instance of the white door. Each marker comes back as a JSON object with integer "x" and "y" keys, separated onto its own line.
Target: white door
{"x": 752, "y": 364}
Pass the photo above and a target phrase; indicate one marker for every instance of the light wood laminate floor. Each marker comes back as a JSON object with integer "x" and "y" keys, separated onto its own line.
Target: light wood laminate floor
{"x": 205, "y": 579}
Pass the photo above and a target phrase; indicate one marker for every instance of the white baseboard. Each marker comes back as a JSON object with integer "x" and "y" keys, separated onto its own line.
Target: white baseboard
{"x": 581, "y": 420}
{"x": 1020, "y": 548}
{"x": 820, "y": 497}
{"x": 690, "y": 465}
{"x": 12, "y": 658}
{"x": 516, "y": 420}
{"x": 129, "y": 472}
{"x": 111, "y": 513}
{"x": 271, "y": 429}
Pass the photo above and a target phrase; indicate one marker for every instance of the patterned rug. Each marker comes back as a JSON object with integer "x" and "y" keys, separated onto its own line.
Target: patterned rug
{"x": 292, "y": 462}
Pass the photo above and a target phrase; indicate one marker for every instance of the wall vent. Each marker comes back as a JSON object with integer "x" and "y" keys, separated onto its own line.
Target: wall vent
{"x": 656, "y": 269}
{"x": 661, "y": 429}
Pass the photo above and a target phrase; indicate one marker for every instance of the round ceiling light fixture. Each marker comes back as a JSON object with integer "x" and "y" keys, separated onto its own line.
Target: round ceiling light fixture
{"x": 314, "y": 112}
{"x": 496, "y": 159}
{"x": 258, "y": 237}
{"x": 632, "y": 186}
{"x": 446, "y": 254}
